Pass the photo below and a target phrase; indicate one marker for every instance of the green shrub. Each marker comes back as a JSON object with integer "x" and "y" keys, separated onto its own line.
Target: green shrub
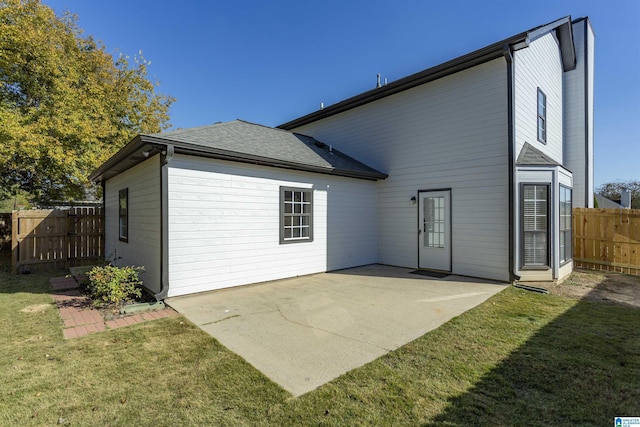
{"x": 114, "y": 285}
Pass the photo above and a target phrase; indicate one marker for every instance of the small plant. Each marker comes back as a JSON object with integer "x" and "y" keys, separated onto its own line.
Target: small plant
{"x": 112, "y": 258}
{"x": 114, "y": 285}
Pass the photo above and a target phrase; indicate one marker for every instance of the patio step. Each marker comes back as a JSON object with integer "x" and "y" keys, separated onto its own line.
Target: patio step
{"x": 63, "y": 283}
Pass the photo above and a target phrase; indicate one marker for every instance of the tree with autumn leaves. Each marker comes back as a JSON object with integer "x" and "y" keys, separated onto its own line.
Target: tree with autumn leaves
{"x": 66, "y": 105}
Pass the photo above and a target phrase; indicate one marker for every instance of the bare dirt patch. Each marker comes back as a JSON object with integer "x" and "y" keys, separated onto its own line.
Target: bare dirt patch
{"x": 36, "y": 308}
{"x": 600, "y": 286}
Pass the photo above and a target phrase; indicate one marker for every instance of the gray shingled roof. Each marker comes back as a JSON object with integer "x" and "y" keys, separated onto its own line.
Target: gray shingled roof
{"x": 242, "y": 142}
{"x": 258, "y": 141}
{"x": 530, "y": 155}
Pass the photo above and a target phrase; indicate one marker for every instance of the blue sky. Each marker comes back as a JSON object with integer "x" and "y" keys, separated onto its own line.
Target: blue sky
{"x": 271, "y": 61}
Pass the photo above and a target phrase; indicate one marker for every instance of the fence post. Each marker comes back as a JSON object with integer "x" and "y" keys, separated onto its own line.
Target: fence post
{"x": 65, "y": 239}
{"x": 14, "y": 242}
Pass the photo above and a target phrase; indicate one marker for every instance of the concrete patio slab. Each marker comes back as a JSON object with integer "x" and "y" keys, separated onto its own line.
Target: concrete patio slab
{"x": 305, "y": 331}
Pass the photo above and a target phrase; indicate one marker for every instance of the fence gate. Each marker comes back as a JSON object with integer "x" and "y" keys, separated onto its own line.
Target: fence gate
{"x": 43, "y": 240}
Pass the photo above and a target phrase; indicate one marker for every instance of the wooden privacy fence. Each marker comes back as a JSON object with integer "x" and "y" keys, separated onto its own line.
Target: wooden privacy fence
{"x": 51, "y": 239}
{"x": 5, "y": 231}
{"x": 607, "y": 239}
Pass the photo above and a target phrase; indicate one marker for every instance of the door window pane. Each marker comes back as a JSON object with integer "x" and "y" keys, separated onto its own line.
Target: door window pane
{"x": 433, "y": 225}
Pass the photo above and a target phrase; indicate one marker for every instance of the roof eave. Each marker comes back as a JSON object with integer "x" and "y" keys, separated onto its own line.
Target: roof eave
{"x": 567, "y": 46}
{"x": 131, "y": 153}
{"x": 564, "y": 33}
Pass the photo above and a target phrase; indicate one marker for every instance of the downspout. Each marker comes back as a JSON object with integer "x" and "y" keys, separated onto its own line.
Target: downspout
{"x": 103, "y": 185}
{"x": 587, "y": 124}
{"x": 508, "y": 55}
{"x": 165, "y": 157}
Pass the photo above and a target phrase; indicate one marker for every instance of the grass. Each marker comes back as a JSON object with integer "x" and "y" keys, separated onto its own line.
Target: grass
{"x": 518, "y": 359}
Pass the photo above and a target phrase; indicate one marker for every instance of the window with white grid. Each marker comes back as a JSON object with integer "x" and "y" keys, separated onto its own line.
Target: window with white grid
{"x": 296, "y": 215}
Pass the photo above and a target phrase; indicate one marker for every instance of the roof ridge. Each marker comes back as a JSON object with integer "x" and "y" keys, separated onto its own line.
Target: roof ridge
{"x": 182, "y": 130}
{"x": 273, "y": 128}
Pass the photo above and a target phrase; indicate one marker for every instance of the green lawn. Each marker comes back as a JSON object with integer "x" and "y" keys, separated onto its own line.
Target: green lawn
{"x": 518, "y": 359}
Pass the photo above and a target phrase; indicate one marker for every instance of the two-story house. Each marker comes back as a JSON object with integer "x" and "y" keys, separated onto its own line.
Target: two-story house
{"x": 470, "y": 167}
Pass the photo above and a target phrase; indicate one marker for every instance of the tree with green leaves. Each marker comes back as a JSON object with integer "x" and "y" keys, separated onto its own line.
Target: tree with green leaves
{"x": 66, "y": 105}
{"x": 613, "y": 190}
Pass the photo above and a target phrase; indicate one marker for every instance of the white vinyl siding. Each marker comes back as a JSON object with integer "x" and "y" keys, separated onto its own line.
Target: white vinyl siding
{"x": 578, "y": 128}
{"x": 143, "y": 244}
{"x": 224, "y": 224}
{"x": 539, "y": 67}
{"x": 449, "y": 133}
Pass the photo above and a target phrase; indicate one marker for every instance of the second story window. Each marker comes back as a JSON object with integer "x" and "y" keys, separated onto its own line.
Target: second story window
{"x": 542, "y": 117}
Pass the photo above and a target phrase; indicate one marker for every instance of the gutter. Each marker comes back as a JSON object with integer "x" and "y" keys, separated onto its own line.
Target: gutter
{"x": 588, "y": 196}
{"x": 508, "y": 55}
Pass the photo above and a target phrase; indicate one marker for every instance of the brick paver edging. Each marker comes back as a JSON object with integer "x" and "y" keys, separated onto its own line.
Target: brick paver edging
{"x": 80, "y": 318}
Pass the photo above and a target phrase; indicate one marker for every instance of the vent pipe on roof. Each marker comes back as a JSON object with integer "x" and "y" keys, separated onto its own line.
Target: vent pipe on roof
{"x": 322, "y": 105}
{"x": 378, "y": 85}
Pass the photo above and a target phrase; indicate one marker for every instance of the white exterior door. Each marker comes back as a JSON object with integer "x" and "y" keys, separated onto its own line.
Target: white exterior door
{"x": 434, "y": 234}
